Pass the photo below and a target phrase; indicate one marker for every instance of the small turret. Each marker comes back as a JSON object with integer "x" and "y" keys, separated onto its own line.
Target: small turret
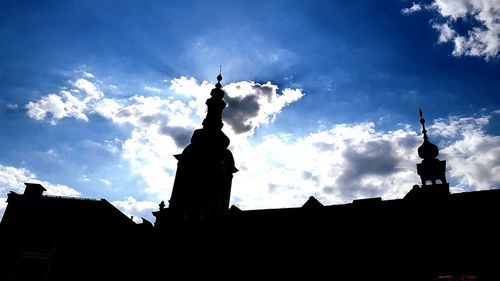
{"x": 430, "y": 169}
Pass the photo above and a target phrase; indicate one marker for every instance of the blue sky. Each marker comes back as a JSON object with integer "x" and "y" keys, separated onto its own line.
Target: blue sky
{"x": 96, "y": 96}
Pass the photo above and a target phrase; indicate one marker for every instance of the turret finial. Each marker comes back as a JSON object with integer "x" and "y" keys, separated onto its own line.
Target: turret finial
{"x": 422, "y": 121}
{"x": 427, "y": 150}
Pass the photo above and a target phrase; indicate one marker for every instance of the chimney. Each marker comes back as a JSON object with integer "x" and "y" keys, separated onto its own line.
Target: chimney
{"x": 33, "y": 190}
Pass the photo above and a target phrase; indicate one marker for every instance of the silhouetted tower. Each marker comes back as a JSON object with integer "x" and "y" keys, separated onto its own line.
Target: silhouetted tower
{"x": 431, "y": 170}
{"x": 205, "y": 169}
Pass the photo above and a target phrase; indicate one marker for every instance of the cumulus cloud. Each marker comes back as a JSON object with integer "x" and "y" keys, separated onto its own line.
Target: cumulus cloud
{"x": 13, "y": 179}
{"x": 351, "y": 161}
{"x": 136, "y": 209}
{"x": 149, "y": 149}
{"x": 482, "y": 39}
{"x": 337, "y": 164}
{"x": 473, "y": 156}
{"x": 415, "y": 7}
{"x": 446, "y": 32}
{"x": 162, "y": 126}
{"x": 454, "y": 126}
{"x": 90, "y": 89}
{"x": 372, "y": 159}
{"x": 251, "y": 104}
{"x": 58, "y": 107}
{"x": 73, "y": 103}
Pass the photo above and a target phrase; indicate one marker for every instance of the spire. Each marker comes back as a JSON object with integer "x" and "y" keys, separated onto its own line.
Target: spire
{"x": 427, "y": 150}
{"x": 215, "y": 105}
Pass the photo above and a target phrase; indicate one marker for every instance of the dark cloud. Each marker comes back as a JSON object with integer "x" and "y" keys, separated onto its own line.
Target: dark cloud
{"x": 265, "y": 90}
{"x": 328, "y": 189}
{"x": 180, "y": 135}
{"x": 375, "y": 158}
{"x": 239, "y": 110}
{"x": 307, "y": 175}
{"x": 410, "y": 141}
{"x": 157, "y": 118}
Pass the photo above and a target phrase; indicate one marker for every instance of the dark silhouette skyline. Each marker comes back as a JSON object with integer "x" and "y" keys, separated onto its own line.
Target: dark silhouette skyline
{"x": 429, "y": 234}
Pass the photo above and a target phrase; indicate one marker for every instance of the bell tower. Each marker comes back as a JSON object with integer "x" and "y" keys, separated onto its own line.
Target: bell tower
{"x": 205, "y": 168}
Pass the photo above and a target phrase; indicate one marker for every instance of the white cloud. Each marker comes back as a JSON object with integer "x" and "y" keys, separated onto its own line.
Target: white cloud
{"x": 415, "y": 7}
{"x": 85, "y": 178}
{"x": 152, "y": 89}
{"x": 150, "y": 155}
{"x": 105, "y": 181}
{"x": 163, "y": 127}
{"x": 473, "y": 157}
{"x": 249, "y": 104}
{"x": 446, "y": 33}
{"x": 89, "y": 88}
{"x": 482, "y": 39}
{"x": 72, "y": 103}
{"x": 188, "y": 86}
{"x": 88, "y": 74}
{"x": 57, "y": 106}
{"x": 12, "y": 106}
{"x": 350, "y": 161}
{"x": 337, "y": 164}
{"x": 454, "y": 126}
{"x": 13, "y": 179}
{"x": 138, "y": 209}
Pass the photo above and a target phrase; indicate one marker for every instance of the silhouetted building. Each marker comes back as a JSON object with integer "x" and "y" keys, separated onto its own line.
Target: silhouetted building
{"x": 205, "y": 170}
{"x": 54, "y": 237}
{"x": 430, "y": 234}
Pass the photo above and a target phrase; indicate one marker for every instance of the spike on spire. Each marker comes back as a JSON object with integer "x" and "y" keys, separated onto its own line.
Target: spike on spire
{"x": 422, "y": 121}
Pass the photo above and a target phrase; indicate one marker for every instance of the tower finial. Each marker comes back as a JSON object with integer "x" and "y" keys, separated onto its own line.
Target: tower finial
{"x": 219, "y": 78}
